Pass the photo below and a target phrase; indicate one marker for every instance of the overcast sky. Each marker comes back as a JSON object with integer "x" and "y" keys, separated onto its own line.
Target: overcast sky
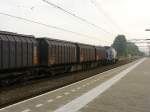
{"x": 129, "y": 17}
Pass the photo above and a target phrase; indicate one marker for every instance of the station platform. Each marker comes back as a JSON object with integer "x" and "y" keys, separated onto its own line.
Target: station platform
{"x": 123, "y": 89}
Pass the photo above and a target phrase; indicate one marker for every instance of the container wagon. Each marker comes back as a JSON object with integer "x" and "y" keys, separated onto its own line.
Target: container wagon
{"x": 18, "y": 53}
{"x": 100, "y": 55}
{"x": 56, "y": 56}
{"x": 85, "y": 56}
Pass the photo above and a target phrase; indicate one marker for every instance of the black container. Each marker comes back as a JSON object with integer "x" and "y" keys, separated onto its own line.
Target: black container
{"x": 12, "y": 51}
{"x": 86, "y": 53}
{"x": 100, "y": 53}
{"x": 17, "y": 51}
{"x": 5, "y": 52}
{"x": 56, "y": 52}
{"x": 0, "y": 53}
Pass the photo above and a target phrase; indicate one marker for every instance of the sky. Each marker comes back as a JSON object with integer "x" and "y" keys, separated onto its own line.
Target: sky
{"x": 113, "y": 17}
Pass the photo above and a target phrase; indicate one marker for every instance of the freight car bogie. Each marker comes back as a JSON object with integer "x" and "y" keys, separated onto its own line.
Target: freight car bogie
{"x": 83, "y": 66}
{"x": 19, "y": 75}
{"x": 54, "y": 70}
{"x": 68, "y": 68}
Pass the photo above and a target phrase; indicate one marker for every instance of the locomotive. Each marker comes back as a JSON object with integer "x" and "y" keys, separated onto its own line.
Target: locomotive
{"x": 26, "y": 57}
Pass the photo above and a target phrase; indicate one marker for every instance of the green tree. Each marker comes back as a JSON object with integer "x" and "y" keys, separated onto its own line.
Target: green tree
{"x": 120, "y": 44}
{"x": 133, "y": 50}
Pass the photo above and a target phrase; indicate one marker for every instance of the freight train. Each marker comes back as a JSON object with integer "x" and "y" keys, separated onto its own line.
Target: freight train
{"x": 25, "y": 57}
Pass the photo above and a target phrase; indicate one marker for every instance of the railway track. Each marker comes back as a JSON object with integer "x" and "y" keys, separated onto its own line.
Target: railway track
{"x": 22, "y": 91}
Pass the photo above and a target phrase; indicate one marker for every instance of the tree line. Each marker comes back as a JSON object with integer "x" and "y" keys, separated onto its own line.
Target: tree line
{"x": 125, "y": 48}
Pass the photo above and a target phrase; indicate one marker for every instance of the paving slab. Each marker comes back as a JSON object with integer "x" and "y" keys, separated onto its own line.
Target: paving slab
{"x": 131, "y": 94}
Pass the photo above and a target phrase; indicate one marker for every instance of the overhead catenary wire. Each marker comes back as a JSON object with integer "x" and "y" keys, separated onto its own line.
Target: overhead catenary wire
{"x": 51, "y": 26}
{"x": 100, "y": 9}
{"x": 76, "y": 16}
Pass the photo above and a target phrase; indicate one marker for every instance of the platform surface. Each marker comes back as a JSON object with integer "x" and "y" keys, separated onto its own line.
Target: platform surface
{"x": 123, "y": 89}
